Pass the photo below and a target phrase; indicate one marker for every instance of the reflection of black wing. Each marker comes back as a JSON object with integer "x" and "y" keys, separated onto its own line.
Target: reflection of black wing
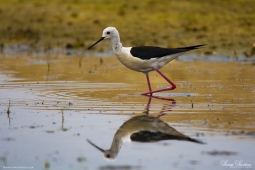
{"x": 147, "y": 136}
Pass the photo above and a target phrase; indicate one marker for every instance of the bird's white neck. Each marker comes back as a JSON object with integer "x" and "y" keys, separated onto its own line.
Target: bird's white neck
{"x": 116, "y": 44}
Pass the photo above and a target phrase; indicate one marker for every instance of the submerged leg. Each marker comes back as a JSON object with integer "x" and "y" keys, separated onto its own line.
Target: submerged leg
{"x": 149, "y": 84}
{"x": 166, "y": 89}
{"x": 148, "y": 81}
{"x": 147, "y": 108}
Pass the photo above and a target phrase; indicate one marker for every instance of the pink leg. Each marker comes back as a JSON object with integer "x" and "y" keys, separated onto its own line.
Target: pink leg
{"x": 166, "y": 89}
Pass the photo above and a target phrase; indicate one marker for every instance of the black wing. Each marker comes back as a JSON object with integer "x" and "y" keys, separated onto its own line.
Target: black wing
{"x": 147, "y": 136}
{"x": 148, "y": 52}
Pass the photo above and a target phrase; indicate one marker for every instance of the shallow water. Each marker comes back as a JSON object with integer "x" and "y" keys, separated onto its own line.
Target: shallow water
{"x": 57, "y": 102}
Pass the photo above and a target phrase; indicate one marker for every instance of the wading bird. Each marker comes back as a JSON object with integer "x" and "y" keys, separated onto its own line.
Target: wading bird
{"x": 144, "y": 58}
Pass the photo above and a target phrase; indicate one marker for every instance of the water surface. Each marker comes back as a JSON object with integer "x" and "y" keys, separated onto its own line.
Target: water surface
{"x": 57, "y": 102}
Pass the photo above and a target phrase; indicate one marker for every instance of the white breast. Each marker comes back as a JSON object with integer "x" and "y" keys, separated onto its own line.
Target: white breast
{"x": 134, "y": 63}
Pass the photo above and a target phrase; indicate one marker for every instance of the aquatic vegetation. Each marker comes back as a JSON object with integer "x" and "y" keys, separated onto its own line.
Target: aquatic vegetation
{"x": 8, "y": 111}
{"x": 47, "y": 165}
{"x": 8, "y": 108}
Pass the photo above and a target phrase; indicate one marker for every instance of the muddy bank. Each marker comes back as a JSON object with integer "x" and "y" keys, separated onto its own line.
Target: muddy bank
{"x": 226, "y": 26}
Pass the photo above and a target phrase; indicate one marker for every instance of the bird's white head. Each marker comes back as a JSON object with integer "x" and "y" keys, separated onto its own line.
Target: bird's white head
{"x": 110, "y": 32}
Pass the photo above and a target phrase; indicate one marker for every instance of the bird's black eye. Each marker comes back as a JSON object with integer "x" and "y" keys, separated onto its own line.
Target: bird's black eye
{"x": 108, "y": 32}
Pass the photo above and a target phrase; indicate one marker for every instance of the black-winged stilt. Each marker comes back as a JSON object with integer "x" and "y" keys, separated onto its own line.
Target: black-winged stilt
{"x": 145, "y": 58}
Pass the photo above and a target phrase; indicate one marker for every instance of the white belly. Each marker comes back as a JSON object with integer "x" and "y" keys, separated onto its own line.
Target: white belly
{"x": 135, "y": 64}
{"x": 140, "y": 65}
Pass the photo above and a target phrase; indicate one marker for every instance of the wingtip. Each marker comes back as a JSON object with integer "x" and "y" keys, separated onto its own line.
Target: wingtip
{"x": 201, "y": 45}
{"x": 193, "y": 47}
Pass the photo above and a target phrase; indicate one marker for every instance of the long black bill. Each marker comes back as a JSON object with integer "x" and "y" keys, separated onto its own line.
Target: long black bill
{"x": 95, "y": 146}
{"x": 101, "y": 39}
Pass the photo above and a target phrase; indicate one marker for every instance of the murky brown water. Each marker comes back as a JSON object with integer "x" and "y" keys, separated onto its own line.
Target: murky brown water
{"x": 58, "y": 101}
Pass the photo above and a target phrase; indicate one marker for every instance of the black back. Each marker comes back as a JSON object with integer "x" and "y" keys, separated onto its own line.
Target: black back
{"x": 148, "y": 52}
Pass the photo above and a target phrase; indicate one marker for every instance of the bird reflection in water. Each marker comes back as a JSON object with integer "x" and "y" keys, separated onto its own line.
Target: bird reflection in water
{"x": 144, "y": 128}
